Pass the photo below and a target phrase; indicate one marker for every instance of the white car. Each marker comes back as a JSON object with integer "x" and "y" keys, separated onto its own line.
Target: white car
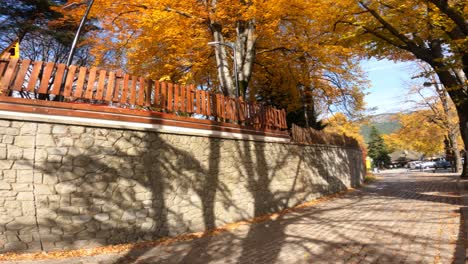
{"x": 427, "y": 164}
{"x": 414, "y": 165}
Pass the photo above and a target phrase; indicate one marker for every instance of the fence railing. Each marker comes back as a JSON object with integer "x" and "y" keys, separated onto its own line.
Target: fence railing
{"x": 41, "y": 80}
{"x": 311, "y": 136}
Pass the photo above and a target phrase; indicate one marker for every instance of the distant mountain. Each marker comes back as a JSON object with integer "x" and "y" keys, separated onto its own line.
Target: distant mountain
{"x": 386, "y": 117}
{"x": 385, "y": 123}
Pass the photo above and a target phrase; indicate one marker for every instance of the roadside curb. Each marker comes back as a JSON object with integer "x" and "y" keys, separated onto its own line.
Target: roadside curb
{"x": 462, "y": 185}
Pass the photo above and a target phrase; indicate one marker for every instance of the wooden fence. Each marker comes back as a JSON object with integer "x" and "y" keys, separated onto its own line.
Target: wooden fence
{"x": 311, "y": 136}
{"x": 40, "y": 80}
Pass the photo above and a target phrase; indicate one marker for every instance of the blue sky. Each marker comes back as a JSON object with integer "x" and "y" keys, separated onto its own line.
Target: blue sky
{"x": 389, "y": 85}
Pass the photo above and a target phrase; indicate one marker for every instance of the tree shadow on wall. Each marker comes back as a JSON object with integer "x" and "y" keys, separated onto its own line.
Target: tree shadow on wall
{"x": 303, "y": 185}
{"x": 125, "y": 186}
{"x": 117, "y": 186}
{"x": 329, "y": 234}
{"x": 272, "y": 188}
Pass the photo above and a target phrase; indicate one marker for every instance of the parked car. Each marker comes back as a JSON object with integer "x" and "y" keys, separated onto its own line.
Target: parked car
{"x": 414, "y": 165}
{"x": 442, "y": 164}
{"x": 427, "y": 164}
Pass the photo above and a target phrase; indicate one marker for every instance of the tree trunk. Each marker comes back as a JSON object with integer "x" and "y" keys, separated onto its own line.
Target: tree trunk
{"x": 457, "y": 89}
{"x": 245, "y": 45}
{"x": 452, "y": 128}
{"x": 462, "y": 110}
{"x": 463, "y": 115}
{"x": 452, "y": 137}
{"x": 244, "y": 59}
{"x": 224, "y": 74}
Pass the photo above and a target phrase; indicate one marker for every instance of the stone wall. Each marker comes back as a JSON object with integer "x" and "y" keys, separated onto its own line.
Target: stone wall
{"x": 64, "y": 186}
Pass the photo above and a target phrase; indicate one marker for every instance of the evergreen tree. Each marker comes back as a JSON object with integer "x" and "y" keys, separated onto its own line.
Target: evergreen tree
{"x": 377, "y": 149}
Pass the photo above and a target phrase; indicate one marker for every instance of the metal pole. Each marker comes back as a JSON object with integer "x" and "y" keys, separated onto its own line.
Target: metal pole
{"x": 235, "y": 70}
{"x": 78, "y": 32}
{"x": 60, "y": 97}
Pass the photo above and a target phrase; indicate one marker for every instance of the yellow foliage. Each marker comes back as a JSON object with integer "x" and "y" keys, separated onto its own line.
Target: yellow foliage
{"x": 169, "y": 38}
{"x": 406, "y": 21}
{"x": 417, "y": 133}
{"x": 340, "y": 124}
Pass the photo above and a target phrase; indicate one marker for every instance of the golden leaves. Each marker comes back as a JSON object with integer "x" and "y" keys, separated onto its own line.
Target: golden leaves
{"x": 417, "y": 133}
{"x": 340, "y": 124}
{"x": 169, "y": 38}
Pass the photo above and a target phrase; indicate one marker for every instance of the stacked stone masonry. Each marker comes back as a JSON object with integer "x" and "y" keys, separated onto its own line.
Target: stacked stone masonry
{"x": 67, "y": 187}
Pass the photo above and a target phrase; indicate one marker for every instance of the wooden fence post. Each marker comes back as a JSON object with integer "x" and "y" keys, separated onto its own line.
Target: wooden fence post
{"x": 183, "y": 98}
{"x": 110, "y": 87}
{"x": 176, "y": 98}
{"x": 141, "y": 91}
{"x": 18, "y": 86}
{"x": 8, "y": 77}
{"x": 123, "y": 99}
{"x": 170, "y": 97}
{"x": 163, "y": 96}
{"x": 101, "y": 83}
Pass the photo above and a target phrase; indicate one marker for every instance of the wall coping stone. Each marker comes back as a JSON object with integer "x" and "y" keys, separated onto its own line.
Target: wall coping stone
{"x": 103, "y": 123}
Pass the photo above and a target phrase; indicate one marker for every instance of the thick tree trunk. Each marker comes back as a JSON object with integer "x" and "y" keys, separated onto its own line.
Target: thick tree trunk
{"x": 463, "y": 115}
{"x": 226, "y": 82}
{"x": 244, "y": 59}
{"x": 245, "y": 45}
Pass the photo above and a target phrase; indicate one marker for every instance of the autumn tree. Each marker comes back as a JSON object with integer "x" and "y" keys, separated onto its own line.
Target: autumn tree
{"x": 341, "y": 124}
{"x": 419, "y": 133}
{"x": 433, "y": 97}
{"x": 280, "y": 50}
{"x": 433, "y": 31}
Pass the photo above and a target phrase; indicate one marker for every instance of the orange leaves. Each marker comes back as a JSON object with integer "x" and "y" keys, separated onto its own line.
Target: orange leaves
{"x": 169, "y": 38}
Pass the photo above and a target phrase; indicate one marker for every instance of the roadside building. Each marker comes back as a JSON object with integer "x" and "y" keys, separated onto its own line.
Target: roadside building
{"x": 400, "y": 158}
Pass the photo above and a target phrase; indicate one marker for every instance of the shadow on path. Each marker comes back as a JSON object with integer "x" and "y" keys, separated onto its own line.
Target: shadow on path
{"x": 407, "y": 219}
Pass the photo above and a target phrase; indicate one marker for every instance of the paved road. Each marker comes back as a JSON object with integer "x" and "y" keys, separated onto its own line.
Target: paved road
{"x": 402, "y": 218}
